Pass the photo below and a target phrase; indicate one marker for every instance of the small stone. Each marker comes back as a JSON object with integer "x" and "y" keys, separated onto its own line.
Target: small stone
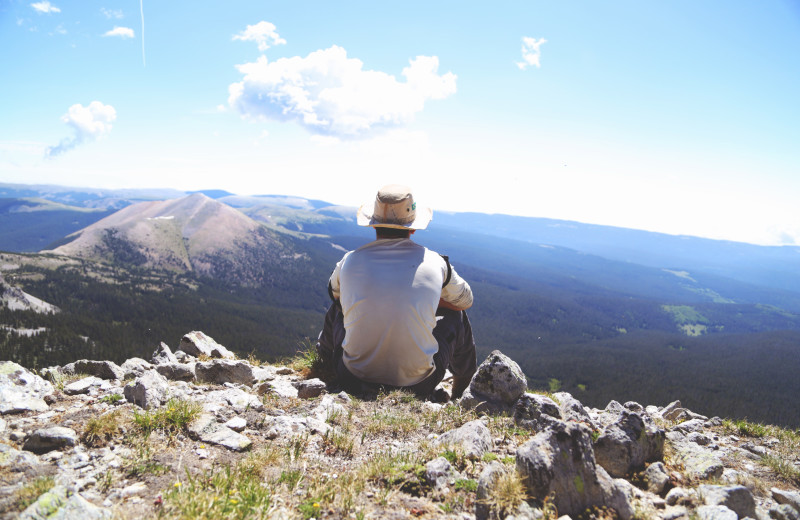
{"x": 197, "y": 343}
{"x": 52, "y": 438}
{"x": 237, "y": 424}
{"x": 310, "y": 388}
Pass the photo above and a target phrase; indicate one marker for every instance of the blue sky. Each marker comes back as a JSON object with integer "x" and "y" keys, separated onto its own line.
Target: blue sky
{"x": 675, "y": 116}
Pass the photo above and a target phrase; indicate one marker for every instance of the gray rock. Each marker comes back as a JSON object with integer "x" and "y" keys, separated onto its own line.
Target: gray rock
{"x": 237, "y": 424}
{"x": 236, "y": 398}
{"x": 784, "y": 512}
{"x": 572, "y": 409}
{"x": 738, "y": 499}
{"x": 473, "y": 438}
{"x": 163, "y": 355}
{"x": 692, "y": 425}
{"x": 206, "y": 429}
{"x": 626, "y": 444}
{"x": 486, "y": 485}
{"x": 102, "y": 369}
{"x": 150, "y": 390}
{"x": 715, "y": 513}
{"x": 499, "y": 378}
{"x": 278, "y": 386}
{"x": 560, "y": 460}
{"x": 49, "y": 439}
{"x": 438, "y": 472}
{"x": 672, "y": 410}
{"x": 16, "y": 461}
{"x": 633, "y": 406}
{"x": 222, "y": 371}
{"x": 679, "y": 496}
{"x": 198, "y": 344}
{"x": 82, "y": 386}
{"x": 791, "y": 498}
{"x": 21, "y": 390}
{"x": 177, "y": 371}
{"x": 61, "y": 504}
{"x": 290, "y": 426}
{"x": 698, "y": 462}
{"x": 614, "y": 408}
{"x": 657, "y": 478}
{"x": 134, "y": 367}
{"x": 309, "y": 388}
{"x": 536, "y": 412}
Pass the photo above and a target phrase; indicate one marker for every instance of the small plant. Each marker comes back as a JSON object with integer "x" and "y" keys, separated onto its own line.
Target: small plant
{"x": 143, "y": 463}
{"x": 290, "y": 477}
{"x": 489, "y": 457}
{"x": 335, "y": 442}
{"x": 99, "y": 430}
{"x": 310, "y": 508}
{"x": 171, "y": 418}
{"x": 507, "y": 494}
{"x": 783, "y": 468}
{"x": 111, "y": 398}
{"x": 466, "y": 484}
{"x": 296, "y": 447}
{"x": 745, "y": 427}
{"x": 29, "y": 493}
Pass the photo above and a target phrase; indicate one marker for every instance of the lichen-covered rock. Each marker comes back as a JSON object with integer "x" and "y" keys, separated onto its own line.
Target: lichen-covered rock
{"x": 472, "y": 438}
{"x": 791, "y": 498}
{"x": 61, "y": 504}
{"x": 150, "y": 390}
{"x": 21, "y": 390}
{"x": 572, "y": 409}
{"x": 499, "y": 378}
{"x": 627, "y": 443}
{"x": 439, "y": 472}
{"x": 560, "y": 460}
{"x": 221, "y": 371}
{"x": 198, "y": 344}
{"x": 698, "y": 462}
{"x": 536, "y": 412}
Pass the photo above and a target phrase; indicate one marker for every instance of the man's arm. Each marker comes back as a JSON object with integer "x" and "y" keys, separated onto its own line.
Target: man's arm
{"x": 448, "y": 305}
{"x": 457, "y": 294}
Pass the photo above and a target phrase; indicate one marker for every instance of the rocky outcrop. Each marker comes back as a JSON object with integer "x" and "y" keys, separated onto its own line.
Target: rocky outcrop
{"x": 539, "y": 455}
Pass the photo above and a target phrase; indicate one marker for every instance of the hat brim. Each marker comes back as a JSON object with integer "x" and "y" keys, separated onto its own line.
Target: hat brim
{"x": 365, "y": 218}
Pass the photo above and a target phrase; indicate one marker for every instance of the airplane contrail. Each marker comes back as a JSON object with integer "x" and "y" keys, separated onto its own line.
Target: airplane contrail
{"x": 141, "y": 11}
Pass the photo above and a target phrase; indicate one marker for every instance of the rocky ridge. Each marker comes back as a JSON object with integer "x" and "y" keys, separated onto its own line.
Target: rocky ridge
{"x": 197, "y": 433}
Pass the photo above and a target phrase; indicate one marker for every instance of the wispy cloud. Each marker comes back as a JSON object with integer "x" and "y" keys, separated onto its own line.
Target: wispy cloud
{"x": 122, "y": 32}
{"x": 330, "y": 94}
{"x": 264, "y": 33}
{"x": 112, "y": 13}
{"x": 530, "y": 52}
{"x": 45, "y": 7}
{"x": 88, "y": 123}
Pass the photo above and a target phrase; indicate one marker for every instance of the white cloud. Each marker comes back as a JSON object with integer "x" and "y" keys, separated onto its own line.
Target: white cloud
{"x": 111, "y": 13}
{"x": 45, "y": 7}
{"x": 89, "y": 123}
{"x": 330, "y": 94}
{"x": 530, "y": 52}
{"x": 122, "y": 32}
{"x": 263, "y": 33}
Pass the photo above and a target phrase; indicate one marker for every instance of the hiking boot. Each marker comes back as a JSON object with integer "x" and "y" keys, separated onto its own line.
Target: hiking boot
{"x": 459, "y": 385}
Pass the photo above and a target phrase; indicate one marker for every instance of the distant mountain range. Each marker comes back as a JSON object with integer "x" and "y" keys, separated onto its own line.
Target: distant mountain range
{"x": 576, "y": 303}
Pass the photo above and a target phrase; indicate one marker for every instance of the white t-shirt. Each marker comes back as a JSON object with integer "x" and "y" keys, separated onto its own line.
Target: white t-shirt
{"x": 389, "y": 290}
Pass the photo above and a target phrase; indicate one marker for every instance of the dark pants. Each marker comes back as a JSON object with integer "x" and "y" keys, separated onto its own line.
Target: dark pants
{"x": 453, "y": 332}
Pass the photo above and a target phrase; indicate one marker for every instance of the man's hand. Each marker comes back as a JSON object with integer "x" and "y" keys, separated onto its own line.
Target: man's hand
{"x": 448, "y": 305}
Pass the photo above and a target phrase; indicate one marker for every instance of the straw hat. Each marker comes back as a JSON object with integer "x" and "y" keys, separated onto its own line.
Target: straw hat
{"x": 394, "y": 207}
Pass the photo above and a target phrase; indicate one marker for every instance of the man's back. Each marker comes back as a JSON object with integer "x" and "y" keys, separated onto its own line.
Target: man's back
{"x": 390, "y": 289}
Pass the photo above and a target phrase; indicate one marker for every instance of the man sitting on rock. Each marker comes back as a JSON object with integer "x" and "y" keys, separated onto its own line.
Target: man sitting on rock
{"x": 397, "y": 318}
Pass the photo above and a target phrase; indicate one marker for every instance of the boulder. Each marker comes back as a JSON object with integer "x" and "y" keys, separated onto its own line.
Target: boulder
{"x": 715, "y": 513}
{"x": 738, "y": 499}
{"x": 101, "y": 369}
{"x": 21, "y": 390}
{"x": 198, "y": 344}
{"x": 177, "y": 371}
{"x": 536, "y": 412}
{"x": 791, "y": 498}
{"x": 206, "y": 429}
{"x": 499, "y": 378}
{"x": 163, "y": 355}
{"x": 150, "y": 390}
{"x": 221, "y": 371}
{"x": 572, "y": 409}
{"x": 472, "y": 438}
{"x": 439, "y": 472}
{"x": 309, "y": 388}
{"x": 657, "y": 478}
{"x": 82, "y": 386}
{"x": 626, "y": 444}
{"x": 134, "y": 367}
{"x": 49, "y": 439}
{"x": 61, "y": 504}
{"x": 698, "y": 462}
{"x": 560, "y": 460}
